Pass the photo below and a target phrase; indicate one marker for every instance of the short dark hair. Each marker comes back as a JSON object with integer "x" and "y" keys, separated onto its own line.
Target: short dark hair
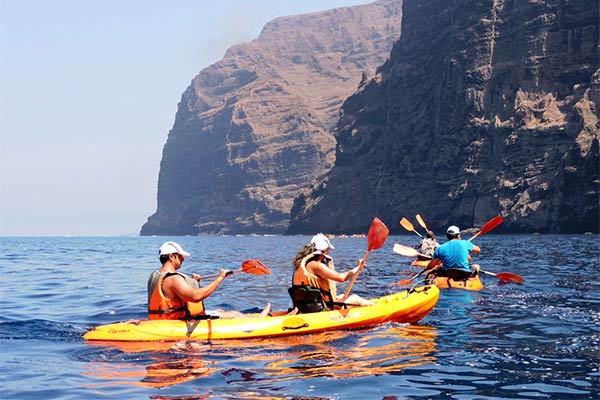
{"x": 451, "y": 236}
{"x": 163, "y": 258}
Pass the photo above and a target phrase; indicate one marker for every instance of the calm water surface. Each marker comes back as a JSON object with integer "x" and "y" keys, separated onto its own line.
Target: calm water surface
{"x": 539, "y": 340}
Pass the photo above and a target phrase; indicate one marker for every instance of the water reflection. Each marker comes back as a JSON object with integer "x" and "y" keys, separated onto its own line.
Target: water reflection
{"x": 374, "y": 353}
{"x": 157, "y": 374}
{"x": 336, "y": 354}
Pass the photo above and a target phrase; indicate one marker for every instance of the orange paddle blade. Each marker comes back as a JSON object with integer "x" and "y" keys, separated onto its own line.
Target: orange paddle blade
{"x": 255, "y": 267}
{"x": 421, "y": 222}
{"x": 406, "y": 224}
{"x": 377, "y": 235}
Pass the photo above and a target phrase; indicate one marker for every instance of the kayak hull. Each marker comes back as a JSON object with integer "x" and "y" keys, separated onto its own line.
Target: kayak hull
{"x": 403, "y": 307}
{"x": 469, "y": 284}
{"x": 447, "y": 283}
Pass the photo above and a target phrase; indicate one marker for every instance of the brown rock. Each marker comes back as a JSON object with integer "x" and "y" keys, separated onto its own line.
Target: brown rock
{"x": 255, "y": 129}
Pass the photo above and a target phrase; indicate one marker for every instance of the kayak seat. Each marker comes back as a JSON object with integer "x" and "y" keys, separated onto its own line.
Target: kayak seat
{"x": 307, "y": 299}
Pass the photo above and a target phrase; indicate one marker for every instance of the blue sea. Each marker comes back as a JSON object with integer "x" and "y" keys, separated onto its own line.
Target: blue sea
{"x": 538, "y": 340}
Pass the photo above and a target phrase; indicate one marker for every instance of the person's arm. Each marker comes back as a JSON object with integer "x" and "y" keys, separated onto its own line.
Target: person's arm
{"x": 324, "y": 271}
{"x": 435, "y": 262}
{"x": 188, "y": 293}
{"x": 475, "y": 249}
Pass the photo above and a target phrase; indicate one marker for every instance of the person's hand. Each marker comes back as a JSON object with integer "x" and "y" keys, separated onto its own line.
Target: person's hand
{"x": 196, "y": 277}
{"x": 224, "y": 273}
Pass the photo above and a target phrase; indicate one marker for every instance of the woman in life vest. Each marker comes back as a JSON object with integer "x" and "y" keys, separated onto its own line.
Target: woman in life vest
{"x": 173, "y": 295}
{"x": 314, "y": 268}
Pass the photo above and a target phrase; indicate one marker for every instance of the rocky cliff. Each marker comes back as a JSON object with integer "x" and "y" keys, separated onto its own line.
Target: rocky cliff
{"x": 256, "y": 128}
{"x": 484, "y": 107}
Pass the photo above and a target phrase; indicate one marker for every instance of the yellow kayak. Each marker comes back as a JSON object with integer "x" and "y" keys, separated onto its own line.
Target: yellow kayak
{"x": 404, "y": 307}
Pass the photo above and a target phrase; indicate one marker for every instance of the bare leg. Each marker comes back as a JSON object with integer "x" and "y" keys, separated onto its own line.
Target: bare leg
{"x": 356, "y": 299}
{"x": 236, "y": 314}
{"x": 229, "y": 314}
{"x": 265, "y": 312}
{"x": 294, "y": 311}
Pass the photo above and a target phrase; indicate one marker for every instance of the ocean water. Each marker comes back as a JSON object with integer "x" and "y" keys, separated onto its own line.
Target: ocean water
{"x": 539, "y": 340}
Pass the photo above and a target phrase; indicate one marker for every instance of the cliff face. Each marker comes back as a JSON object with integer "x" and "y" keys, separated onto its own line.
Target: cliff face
{"x": 484, "y": 108}
{"x": 255, "y": 129}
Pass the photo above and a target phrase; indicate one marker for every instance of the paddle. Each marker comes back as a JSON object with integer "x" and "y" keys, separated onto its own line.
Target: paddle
{"x": 506, "y": 277}
{"x": 421, "y": 222}
{"x": 376, "y": 237}
{"x": 406, "y": 224}
{"x": 254, "y": 267}
{"x": 410, "y": 252}
{"x": 491, "y": 224}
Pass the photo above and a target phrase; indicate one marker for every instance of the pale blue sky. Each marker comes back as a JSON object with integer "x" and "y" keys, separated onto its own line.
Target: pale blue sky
{"x": 88, "y": 94}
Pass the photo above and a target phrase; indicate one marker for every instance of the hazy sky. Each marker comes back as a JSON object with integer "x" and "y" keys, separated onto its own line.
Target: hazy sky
{"x": 88, "y": 94}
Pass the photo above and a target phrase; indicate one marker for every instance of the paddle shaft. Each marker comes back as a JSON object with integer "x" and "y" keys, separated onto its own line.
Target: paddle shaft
{"x": 378, "y": 233}
{"x": 406, "y": 281}
{"x": 212, "y": 276}
{"x": 362, "y": 265}
{"x": 253, "y": 267}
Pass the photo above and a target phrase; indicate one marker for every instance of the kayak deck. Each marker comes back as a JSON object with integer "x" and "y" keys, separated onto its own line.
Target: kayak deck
{"x": 404, "y": 307}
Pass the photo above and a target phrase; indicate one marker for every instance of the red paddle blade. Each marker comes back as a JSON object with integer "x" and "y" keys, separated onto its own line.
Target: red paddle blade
{"x": 378, "y": 234}
{"x": 404, "y": 282}
{"x": 494, "y": 222}
{"x": 511, "y": 278}
{"x": 491, "y": 224}
{"x": 255, "y": 267}
{"x": 405, "y": 250}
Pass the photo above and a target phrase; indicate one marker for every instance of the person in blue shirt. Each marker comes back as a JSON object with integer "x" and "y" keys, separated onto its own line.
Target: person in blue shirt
{"x": 454, "y": 257}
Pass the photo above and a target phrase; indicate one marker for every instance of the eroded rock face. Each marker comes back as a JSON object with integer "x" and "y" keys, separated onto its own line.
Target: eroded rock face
{"x": 256, "y": 128}
{"x": 484, "y": 108}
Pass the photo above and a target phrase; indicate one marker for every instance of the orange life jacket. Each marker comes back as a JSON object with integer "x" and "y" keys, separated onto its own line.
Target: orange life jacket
{"x": 161, "y": 307}
{"x": 326, "y": 286}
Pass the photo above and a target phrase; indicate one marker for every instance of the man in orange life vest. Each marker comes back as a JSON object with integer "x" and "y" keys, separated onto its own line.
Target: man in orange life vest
{"x": 173, "y": 295}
